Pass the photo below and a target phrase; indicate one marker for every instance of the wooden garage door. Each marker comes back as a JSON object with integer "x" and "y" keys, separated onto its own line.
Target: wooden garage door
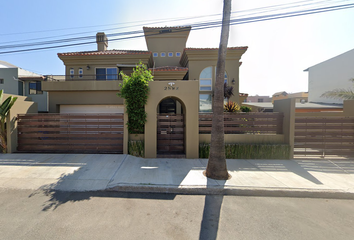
{"x": 66, "y": 133}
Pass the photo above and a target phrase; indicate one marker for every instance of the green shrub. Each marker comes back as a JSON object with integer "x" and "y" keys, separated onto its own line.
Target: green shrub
{"x": 136, "y": 148}
{"x": 135, "y": 91}
{"x": 245, "y": 109}
{"x": 250, "y": 151}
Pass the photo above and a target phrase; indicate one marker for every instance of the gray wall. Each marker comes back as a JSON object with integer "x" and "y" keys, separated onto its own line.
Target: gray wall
{"x": 10, "y": 85}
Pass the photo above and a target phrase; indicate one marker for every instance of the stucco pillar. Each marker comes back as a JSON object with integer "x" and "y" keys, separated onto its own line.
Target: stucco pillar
{"x": 187, "y": 93}
{"x": 287, "y": 107}
{"x": 348, "y": 107}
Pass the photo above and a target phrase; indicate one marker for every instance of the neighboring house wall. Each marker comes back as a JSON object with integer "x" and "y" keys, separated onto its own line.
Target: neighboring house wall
{"x": 329, "y": 75}
{"x": 40, "y": 98}
{"x": 8, "y": 76}
{"x": 258, "y": 99}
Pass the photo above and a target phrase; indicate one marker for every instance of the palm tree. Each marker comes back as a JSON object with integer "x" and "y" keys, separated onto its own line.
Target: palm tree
{"x": 340, "y": 93}
{"x": 217, "y": 168}
{"x": 4, "y": 110}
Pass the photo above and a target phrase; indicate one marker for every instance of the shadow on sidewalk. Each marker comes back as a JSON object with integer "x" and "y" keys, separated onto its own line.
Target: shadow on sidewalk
{"x": 211, "y": 213}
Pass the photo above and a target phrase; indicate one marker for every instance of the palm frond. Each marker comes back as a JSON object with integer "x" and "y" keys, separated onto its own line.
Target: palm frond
{"x": 343, "y": 94}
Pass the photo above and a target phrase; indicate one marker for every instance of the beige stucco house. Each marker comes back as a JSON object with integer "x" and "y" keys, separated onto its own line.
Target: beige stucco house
{"x": 183, "y": 82}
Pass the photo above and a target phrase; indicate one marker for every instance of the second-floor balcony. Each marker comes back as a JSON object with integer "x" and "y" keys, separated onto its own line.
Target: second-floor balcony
{"x": 96, "y": 82}
{"x": 83, "y": 77}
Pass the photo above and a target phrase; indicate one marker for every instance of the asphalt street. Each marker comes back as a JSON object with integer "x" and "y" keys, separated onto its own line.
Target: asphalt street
{"x": 49, "y": 214}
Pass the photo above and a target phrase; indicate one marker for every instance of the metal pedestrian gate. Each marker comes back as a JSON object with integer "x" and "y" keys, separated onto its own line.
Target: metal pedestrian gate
{"x": 170, "y": 134}
{"x": 70, "y": 133}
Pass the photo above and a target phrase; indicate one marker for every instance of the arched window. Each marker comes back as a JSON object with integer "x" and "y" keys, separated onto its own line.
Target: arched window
{"x": 205, "y": 79}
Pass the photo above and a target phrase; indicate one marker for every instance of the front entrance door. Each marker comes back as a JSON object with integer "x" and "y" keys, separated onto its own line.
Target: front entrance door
{"x": 170, "y": 135}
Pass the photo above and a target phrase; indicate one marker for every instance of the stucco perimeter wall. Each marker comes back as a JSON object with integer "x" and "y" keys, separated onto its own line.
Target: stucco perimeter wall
{"x": 21, "y": 106}
{"x": 82, "y": 98}
{"x": 245, "y": 138}
{"x": 187, "y": 95}
{"x": 287, "y": 107}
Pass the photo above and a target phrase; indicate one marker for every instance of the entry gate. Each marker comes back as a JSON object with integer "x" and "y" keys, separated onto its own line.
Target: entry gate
{"x": 170, "y": 134}
{"x": 66, "y": 133}
{"x": 324, "y": 135}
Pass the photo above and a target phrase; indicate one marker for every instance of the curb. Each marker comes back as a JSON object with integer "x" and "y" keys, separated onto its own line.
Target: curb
{"x": 236, "y": 191}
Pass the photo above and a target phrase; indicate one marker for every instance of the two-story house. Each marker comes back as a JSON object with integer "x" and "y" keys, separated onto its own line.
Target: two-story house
{"x": 183, "y": 83}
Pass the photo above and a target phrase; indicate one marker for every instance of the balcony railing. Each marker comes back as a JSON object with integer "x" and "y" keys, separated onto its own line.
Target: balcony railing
{"x": 83, "y": 77}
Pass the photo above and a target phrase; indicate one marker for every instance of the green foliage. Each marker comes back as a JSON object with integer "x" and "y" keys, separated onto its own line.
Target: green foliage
{"x": 340, "y": 93}
{"x": 250, "y": 151}
{"x": 135, "y": 90}
{"x": 231, "y": 107}
{"x": 245, "y": 109}
{"x": 4, "y": 110}
{"x": 228, "y": 91}
{"x": 136, "y": 148}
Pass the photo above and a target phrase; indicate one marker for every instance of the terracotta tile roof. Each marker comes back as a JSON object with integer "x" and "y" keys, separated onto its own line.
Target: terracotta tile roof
{"x": 107, "y": 52}
{"x": 215, "y": 48}
{"x": 169, "y": 69}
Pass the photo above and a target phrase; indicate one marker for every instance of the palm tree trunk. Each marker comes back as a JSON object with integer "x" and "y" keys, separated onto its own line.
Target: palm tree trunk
{"x": 217, "y": 168}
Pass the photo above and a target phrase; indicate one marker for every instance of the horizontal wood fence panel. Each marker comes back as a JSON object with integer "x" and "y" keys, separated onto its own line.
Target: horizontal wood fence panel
{"x": 71, "y": 123}
{"x": 93, "y": 133}
{"x": 51, "y": 116}
{"x": 324, "y": 135}
{"x": 242, "y": 123}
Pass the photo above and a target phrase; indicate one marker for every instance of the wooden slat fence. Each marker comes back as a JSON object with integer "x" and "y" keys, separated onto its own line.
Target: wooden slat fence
{"x": 245, "y": 123}
{"x": 324, "y": 135}
{"x": 65, "y": 133}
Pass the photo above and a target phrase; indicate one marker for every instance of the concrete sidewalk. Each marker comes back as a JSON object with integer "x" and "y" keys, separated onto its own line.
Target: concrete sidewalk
{"x": 111, "y": 172}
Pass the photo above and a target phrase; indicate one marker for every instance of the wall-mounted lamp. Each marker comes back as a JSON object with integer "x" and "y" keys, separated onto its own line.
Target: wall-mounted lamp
{"x": 88, "y": 67}
{"x": 233, "y": 81}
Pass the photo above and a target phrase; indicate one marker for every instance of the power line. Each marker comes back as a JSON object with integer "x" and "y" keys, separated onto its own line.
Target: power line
{"x": 201, "y": 26}
{"x": 265, "y": 9}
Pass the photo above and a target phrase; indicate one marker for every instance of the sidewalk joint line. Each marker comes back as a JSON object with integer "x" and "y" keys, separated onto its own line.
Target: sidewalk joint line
{"x": 111, "y": 180}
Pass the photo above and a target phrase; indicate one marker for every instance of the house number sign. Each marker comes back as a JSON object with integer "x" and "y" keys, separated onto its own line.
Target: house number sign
{"x": 171, "y": 86}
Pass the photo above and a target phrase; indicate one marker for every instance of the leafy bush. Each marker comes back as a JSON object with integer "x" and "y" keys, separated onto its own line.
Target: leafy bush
{"x": 250, "y": 151}
{"x": 245, "y": 109}
{"x": 135, "y": 90}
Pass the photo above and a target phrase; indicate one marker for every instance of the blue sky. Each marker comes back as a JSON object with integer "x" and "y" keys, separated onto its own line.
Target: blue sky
{"x": 279, "y": 50}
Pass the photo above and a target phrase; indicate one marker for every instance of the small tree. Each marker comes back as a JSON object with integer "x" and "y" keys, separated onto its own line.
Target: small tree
{"x": 135, "y": 90}
{"x": 4, "y": 111}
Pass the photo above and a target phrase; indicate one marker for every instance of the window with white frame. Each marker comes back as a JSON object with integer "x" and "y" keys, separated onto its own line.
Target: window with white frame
{"x": 163, "y": 54}
{"x": 205, "y": 79}
{"x": 170, "y": 54}
{"x": 35, "y": 88}
{"x": 72, "y": 73}
{"x": 155, "y": 54}
{"x": 178, "y": 54}
{"x": 81, "y": 72}
{"x": 106, "y": 74}
{"x": 205, "y": 103}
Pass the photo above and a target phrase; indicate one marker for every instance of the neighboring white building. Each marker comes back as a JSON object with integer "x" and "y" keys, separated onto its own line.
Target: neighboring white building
{"x": 329, "y": 75}
{"x": 17, "y": 81}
